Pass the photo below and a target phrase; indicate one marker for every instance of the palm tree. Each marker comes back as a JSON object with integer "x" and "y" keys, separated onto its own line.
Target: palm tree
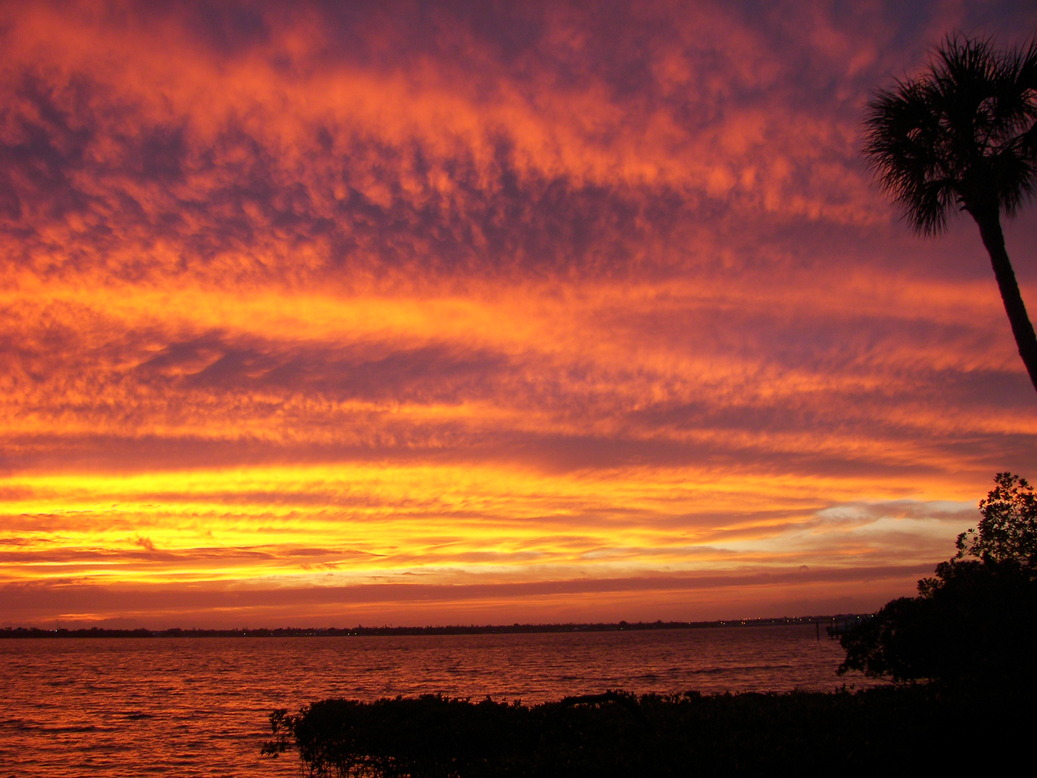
{"x": 963, "y": 135}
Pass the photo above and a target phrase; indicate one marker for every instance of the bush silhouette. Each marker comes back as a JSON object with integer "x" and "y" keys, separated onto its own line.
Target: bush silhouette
{"x": 918, "y": 728}
{"x": 977, "y": 618}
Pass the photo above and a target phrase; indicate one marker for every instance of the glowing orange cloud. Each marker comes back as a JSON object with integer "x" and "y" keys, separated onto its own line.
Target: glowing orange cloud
{"x": 322, "y": 314}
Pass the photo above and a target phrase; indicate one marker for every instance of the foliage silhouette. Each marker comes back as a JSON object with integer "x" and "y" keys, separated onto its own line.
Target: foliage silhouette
{"x": 976, "y": 620}
{"x": 619, "y": 734}
{"x": 963, "y": 135}
{"x": 1008, "y": 530}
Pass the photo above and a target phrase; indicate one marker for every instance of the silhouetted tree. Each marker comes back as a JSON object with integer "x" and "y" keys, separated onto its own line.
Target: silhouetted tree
{"x": 963, "y": 136}
{"x": 1008, "y": 529}
{"x": 977, "y": 618}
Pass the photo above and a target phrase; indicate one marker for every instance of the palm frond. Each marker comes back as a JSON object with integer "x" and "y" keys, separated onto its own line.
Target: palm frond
{"x": 961, "y": 134}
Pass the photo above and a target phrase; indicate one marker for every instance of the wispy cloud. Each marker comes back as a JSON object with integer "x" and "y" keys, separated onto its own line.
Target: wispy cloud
{"x": 311, "y": 298}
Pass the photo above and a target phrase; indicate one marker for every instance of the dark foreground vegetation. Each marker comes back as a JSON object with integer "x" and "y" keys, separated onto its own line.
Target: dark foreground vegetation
{"x": 975, "y": 621}
{"x": 913, "y": 728}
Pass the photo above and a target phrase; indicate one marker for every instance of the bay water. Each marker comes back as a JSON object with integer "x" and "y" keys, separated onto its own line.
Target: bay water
{"x": 114, "y": 707}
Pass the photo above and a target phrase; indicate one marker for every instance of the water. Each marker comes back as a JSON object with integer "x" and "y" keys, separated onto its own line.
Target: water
{"x": 181, "y": 706}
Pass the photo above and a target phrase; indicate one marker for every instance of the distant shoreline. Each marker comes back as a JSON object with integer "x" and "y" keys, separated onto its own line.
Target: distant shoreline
{"x": 362, "y": 631}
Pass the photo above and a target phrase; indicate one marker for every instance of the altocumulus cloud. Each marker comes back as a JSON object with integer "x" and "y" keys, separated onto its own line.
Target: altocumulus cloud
{"x": 563, "y": 311}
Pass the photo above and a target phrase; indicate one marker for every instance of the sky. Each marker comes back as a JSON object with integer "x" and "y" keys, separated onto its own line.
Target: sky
{"x": 325, "y": 314}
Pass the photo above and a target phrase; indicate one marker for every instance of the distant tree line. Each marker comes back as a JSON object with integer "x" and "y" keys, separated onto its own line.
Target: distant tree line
{"x": 475, "y": 629}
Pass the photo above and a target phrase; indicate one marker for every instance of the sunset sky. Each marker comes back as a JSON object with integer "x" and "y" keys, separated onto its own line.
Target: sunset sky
{"x": 337, "y": 313}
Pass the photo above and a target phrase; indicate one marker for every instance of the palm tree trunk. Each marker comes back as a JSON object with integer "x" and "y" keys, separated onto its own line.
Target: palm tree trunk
{"x": 1022, "y": 329}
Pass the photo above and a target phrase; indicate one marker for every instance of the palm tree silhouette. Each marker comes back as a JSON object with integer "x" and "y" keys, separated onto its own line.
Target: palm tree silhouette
{"x": 963, "y": 135}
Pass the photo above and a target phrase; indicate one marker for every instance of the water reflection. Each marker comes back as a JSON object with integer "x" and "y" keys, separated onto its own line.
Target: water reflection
{"x": 117, "y": 707}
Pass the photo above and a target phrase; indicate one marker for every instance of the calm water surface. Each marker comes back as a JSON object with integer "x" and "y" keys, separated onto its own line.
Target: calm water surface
{"x": 199, "y": 706}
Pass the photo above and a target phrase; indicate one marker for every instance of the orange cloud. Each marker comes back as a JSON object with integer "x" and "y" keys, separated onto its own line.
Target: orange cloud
{"x": 317, "y": 302}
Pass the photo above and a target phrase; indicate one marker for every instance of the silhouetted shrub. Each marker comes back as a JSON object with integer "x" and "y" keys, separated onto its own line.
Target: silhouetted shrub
{"x": 976, "y": 620}
{"x": 617, "y": 734}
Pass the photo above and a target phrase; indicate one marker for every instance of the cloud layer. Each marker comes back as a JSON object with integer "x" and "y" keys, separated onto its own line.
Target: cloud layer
{"x": 331, "y": 312}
